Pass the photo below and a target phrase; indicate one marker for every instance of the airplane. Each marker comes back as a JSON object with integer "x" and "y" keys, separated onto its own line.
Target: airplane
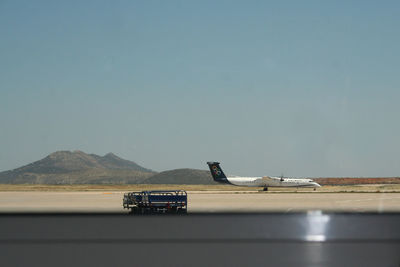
{"x": 265, "y": 181}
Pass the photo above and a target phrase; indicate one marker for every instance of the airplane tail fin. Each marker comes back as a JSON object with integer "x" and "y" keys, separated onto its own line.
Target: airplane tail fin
{"x": 217, "y": 173}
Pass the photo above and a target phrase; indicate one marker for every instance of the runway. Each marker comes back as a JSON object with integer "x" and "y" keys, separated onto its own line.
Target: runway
{"x": 205, "y": 202}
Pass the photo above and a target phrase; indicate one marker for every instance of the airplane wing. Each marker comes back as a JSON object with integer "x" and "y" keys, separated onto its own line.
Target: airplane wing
{"x": 268, "y": 179}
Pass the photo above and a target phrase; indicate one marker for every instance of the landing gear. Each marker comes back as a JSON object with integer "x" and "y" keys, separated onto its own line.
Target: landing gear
{"x": 315, "y": 189}
{"x": 265, "y": 189}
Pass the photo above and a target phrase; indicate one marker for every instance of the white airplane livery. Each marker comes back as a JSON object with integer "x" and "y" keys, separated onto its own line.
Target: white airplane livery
{"x": 265, "y": 181}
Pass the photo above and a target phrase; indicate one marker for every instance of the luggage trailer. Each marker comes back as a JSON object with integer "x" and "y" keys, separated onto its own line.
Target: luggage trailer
{"x": 150, "y": 202}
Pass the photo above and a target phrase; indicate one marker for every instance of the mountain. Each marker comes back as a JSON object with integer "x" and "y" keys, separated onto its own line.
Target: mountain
{"x": 111, "y": 161}
{"x": 65, "y": 167}
{"x": 77, "y": 167}
{"x": 181, "y": 176}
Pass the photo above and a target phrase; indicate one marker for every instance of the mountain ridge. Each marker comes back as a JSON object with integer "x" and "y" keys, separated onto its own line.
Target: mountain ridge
{"x": 181, "y": 176}
{"x": 77, "y": 167}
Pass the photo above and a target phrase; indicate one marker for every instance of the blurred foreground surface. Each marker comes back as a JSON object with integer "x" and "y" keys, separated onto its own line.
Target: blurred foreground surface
{"x": 262, "y": 239}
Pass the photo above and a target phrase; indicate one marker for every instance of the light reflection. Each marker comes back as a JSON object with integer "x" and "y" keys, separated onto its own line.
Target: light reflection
{"x": 317, "y": 225}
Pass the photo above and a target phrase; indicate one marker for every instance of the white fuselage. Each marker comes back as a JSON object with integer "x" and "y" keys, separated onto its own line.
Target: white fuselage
{"x": 272, "y": 182}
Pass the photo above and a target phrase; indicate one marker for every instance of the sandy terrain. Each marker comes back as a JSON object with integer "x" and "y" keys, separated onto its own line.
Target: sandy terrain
{"x": 203, "y": 201}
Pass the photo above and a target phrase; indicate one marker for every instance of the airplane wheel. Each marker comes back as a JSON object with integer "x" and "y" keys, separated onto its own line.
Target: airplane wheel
{"x": 315, "y": 189}
{"x": 265, "y": 189}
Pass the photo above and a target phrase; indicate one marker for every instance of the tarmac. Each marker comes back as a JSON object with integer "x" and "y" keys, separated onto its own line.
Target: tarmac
{"x": 204, "y": 202}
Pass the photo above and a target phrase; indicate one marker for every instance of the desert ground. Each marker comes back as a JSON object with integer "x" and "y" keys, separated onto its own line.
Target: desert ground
{"x": 215, "y": 199}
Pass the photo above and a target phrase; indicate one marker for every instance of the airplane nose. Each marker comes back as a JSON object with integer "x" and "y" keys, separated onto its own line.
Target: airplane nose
{"x": 316, "y": 184}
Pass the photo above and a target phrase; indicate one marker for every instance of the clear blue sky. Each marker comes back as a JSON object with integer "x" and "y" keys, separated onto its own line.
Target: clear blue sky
{"x": 304, "y": 88}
